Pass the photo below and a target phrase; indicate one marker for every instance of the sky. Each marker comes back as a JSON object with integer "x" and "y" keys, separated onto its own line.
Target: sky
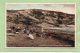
{"x": 66, "y": 8}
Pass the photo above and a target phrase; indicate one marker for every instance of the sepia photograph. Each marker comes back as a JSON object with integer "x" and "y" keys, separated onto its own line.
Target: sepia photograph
{"x": 40, "y": 25}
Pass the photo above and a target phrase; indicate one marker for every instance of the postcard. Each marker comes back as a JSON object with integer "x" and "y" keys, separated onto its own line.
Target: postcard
{"x": 38, "y": 25}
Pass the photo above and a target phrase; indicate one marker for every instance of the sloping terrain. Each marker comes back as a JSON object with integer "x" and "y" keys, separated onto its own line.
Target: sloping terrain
{"x": 49, "y": 28}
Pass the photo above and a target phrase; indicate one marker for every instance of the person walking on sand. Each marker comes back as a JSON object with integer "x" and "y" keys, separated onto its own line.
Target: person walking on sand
{"x": 29, "y": 33}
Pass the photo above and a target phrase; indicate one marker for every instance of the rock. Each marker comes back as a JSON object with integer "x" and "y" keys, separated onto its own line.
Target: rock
{"x": 31, "y": 36}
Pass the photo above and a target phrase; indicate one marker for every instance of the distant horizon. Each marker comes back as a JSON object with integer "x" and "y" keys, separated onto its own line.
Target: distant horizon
{"x": 65, "y": 8}
{"x": 42, "y": 9}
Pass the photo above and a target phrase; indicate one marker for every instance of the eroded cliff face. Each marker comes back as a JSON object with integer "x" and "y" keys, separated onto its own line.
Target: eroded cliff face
{"x": 39, "y": 15}
{"x": 59, "y": 26}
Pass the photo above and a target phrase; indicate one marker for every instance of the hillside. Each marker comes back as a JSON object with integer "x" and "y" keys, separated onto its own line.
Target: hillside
{"x": 58, "y": 27}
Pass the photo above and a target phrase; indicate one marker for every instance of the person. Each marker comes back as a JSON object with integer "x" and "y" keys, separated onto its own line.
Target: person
{"x": 29, "y": 34}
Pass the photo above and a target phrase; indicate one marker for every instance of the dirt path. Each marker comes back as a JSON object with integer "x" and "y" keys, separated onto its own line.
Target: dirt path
{"x": 21, "y": 40}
